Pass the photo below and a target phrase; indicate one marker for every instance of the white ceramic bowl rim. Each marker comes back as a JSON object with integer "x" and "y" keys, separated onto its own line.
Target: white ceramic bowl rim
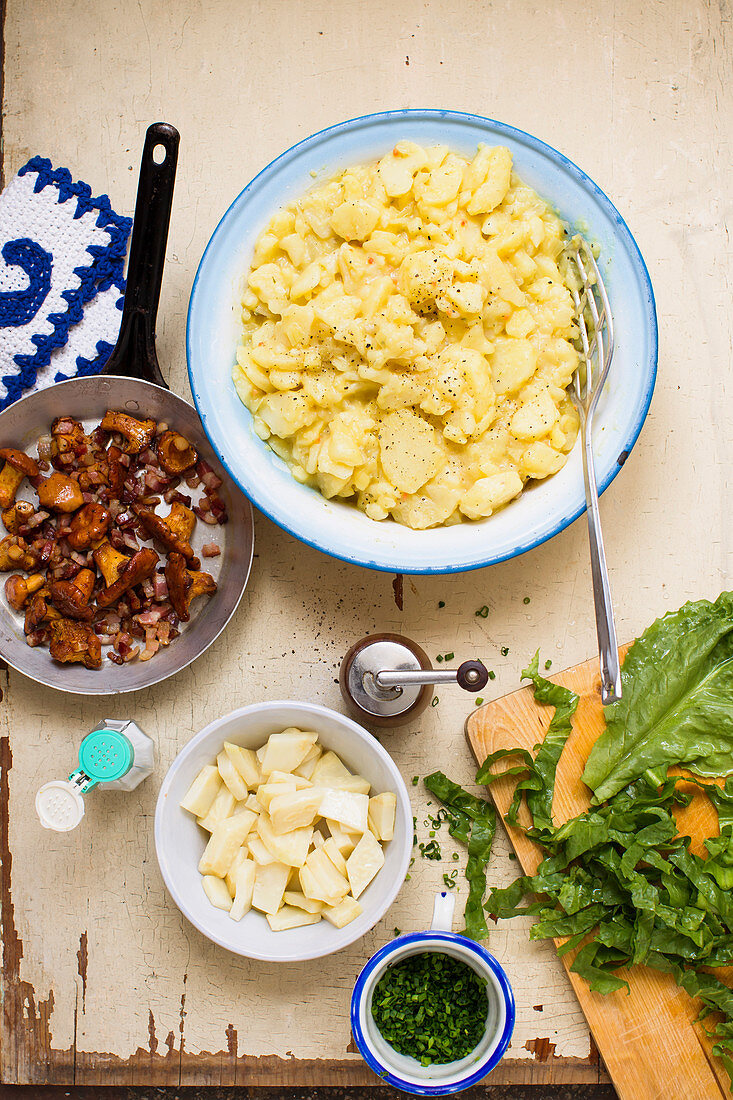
{"x": 314, "y": 711}
{"x": 535, "y": 535}
{"x": 380, "y": 960}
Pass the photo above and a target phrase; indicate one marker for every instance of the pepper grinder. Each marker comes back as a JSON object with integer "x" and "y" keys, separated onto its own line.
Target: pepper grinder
{"x": 386, "y": 679}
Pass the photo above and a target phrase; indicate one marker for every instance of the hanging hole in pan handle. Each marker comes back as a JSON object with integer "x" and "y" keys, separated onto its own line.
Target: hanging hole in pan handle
{"x": 472, "y": 675}
{"x": 134, "y": 354}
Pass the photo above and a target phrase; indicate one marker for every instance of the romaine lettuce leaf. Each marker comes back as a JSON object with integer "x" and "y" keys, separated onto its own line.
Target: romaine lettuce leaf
{"x": 677, "y": 682}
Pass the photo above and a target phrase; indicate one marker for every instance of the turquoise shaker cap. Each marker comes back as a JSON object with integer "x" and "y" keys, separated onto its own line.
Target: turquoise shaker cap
{"x": 105, "y": 755}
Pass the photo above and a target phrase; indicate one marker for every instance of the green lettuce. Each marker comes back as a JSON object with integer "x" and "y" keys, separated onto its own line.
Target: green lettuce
{"x": 472, "y": 821}
{"x": 675, "y": 708}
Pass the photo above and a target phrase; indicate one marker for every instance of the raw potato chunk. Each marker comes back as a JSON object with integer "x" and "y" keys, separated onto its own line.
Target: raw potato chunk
{"x": 270, "y": 883}
{"x": 244, "y": 889}
{"x": 267, "y": 791}
{"x": 291, "y": 848}
{"x": 224, "y": 841}
{"x": 221, "y": 808}
{"x": 408, "y": 450}
{"x": 286, "y": 750}
{"x": 202, "y": 791}
{"x": 321, "y": 880}
{"x": 246, "y": 763}
{"x": 382, "y": 809}
{"x": 350, "y": 810}
{"x": 300, "y": 901}
{"x": 354, "y": 783}
{"x": 363, "y": 863}
{"x": 328, "y": 768}
{"x": 345, "y": 841}
{"x": 293, "y": 811}
{"x": 312, "y": 888}
{"x": 290, "y": 917}
{"x": 296, "y": 781}
{"x": 343, "y": 913}
{"x": 260, "y": 854}
{"x": 231, "y": 776}
{"x": 216, "y": 891}
{"x": 308, "y": 766}
{"x": 230, "y": 877}
{"x": 331, "y": 849}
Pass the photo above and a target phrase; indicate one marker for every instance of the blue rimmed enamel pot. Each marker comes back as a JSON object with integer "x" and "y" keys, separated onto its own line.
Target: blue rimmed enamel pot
{"x": 403, "y": 1072}
{"x": 335, "y": 526}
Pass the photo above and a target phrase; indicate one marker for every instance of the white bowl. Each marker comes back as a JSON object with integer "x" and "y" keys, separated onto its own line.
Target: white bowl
{"x": 338, "y": 528}
{"x": 179, "y": 840}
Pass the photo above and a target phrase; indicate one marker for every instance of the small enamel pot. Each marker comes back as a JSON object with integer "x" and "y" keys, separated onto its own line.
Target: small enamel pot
{"x": 403, "y": 1072}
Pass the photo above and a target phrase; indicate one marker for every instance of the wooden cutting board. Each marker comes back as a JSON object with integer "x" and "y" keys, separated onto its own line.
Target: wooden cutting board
{"x": 649, "y": 1040}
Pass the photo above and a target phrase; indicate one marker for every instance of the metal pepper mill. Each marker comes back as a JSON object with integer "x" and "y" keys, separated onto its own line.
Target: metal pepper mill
{"x": 386, "y": 679}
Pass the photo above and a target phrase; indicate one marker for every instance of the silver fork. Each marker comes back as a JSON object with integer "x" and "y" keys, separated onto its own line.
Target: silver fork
{"x": 588, "y": 381}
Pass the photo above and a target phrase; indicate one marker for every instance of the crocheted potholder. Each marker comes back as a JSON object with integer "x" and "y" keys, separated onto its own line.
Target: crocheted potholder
{"x": 61, "y": 279}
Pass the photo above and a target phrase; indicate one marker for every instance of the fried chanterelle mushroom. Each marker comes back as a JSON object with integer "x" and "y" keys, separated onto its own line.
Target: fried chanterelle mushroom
{"x": 73, "y": 642}
{"x": 18, "y": 466}
{"x": 92, "y": 581}
{"x": 176, "y": 453}
{"x": 138, "y": 434}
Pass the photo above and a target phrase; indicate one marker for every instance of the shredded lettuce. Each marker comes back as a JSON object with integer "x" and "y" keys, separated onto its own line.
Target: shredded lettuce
{"x": 618, "y": 883}
{"x": 473, "y": 822}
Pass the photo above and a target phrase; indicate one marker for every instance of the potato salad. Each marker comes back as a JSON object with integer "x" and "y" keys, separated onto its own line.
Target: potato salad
{"x": 292, "y": 832}
{"x": 408, "y": 337}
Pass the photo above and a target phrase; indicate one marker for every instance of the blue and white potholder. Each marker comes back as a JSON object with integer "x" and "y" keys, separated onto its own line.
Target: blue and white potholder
{"x": 62, "y": 256}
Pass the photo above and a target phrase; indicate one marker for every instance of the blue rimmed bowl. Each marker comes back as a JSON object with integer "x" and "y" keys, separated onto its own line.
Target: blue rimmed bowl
{"x": 338, "y": 528}
{"x": 439, "y": 1079}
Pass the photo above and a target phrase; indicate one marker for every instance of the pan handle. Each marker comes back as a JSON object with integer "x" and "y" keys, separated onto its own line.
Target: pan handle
{"x": 134, "y": 353}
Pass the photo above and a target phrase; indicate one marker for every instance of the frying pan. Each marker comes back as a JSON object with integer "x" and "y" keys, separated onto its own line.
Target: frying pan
{"x": 132, "y": 382}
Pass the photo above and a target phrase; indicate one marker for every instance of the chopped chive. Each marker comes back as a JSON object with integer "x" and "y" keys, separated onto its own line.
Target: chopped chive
{"x": 504, "y": 650}
{"x": 415, "y": 780}
{"x": 526, "y": 599}
{"x": 441, "y": 603}
{"x": 548, "y": 664}
{"x": 431, "y": 850}
{"x": 483, "y": 612}
{"x": 435, "y": 701}
{"x": 431, "y": 1007}
{"x": 439, "y": 658}
{"x": 479, "y": 701}
{"x": 492, "y": 674}
{"x": 449, "y": 656}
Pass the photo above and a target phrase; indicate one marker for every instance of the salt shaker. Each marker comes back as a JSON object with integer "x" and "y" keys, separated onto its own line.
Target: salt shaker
{"x": 116, "y": 756}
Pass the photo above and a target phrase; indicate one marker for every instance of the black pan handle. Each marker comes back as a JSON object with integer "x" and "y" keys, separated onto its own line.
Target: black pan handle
{"x": 134, "y": 353}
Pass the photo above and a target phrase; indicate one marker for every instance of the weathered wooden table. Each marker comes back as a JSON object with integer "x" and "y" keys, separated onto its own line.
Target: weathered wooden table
{"x": 103, "y": 980}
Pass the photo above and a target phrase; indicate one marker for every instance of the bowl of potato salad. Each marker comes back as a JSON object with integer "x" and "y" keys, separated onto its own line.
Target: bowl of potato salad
{"x": 381, "y": 341}
{"x": 283, "y": 831}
